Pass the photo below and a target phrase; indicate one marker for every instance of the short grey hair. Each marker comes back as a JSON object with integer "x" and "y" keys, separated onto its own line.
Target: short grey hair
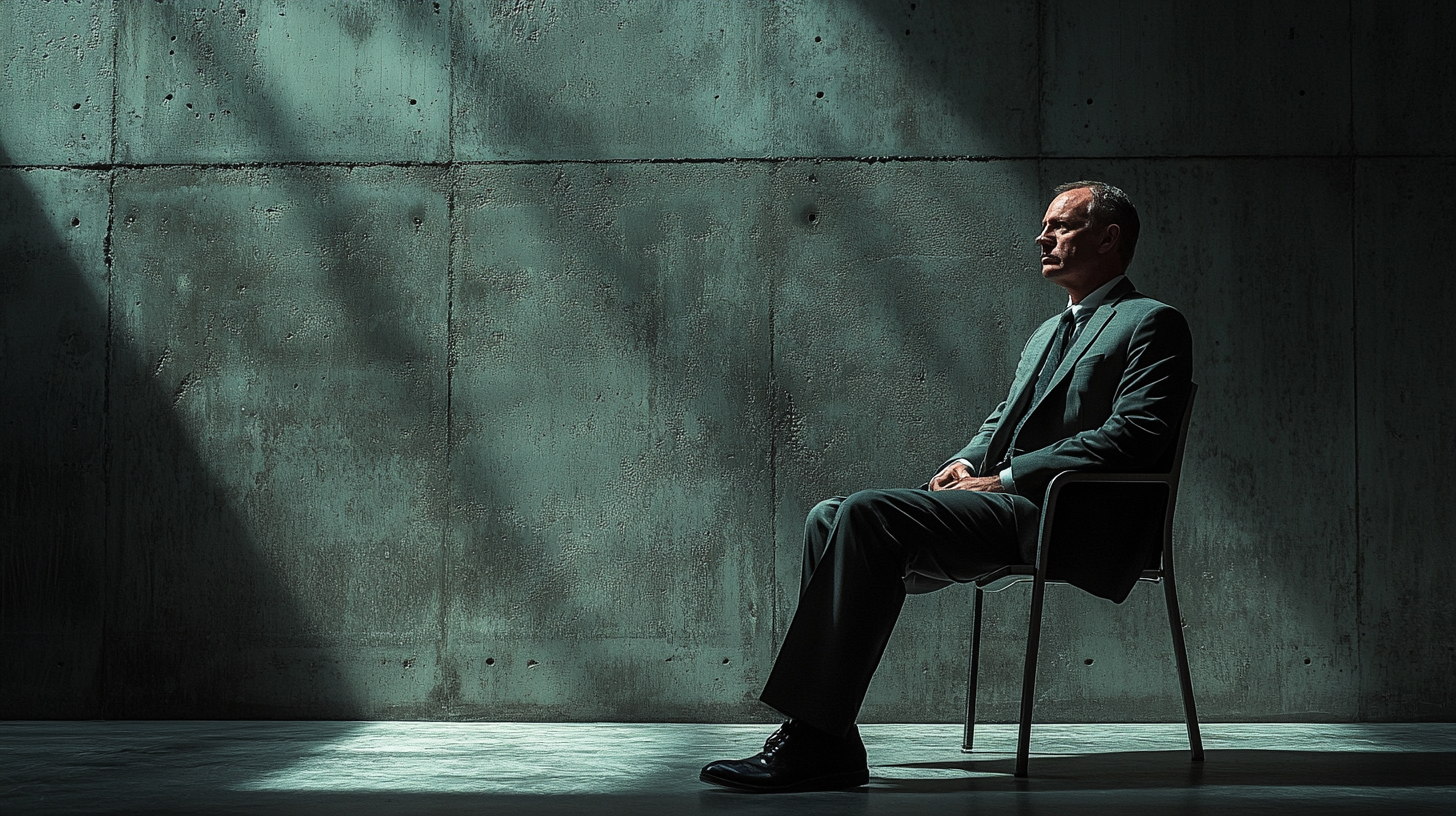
{"x": 1110, "y": 206}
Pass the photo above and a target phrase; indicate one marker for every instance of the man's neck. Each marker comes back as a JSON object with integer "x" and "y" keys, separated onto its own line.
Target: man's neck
{"x": 1094, "y": 298}
{"x": 1080, "y": 289}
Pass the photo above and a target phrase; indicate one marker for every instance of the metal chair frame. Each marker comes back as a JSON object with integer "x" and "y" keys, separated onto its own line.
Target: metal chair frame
{"x": 1036, "y": 574}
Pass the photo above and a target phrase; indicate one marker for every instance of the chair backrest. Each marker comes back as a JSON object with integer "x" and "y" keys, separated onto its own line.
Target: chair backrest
{"x": 1175, "y": 475}
{"x": 1181, "y": 443}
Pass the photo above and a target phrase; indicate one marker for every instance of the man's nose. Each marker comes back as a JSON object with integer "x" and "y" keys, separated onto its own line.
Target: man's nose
{"x": 1044, "y": 239}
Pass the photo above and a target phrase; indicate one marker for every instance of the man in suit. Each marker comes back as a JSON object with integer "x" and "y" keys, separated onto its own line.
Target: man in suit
{"x": 1100, "y": 387}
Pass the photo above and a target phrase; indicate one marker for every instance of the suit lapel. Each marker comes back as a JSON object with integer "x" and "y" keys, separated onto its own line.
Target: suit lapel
{"x": 1095, "y": 324}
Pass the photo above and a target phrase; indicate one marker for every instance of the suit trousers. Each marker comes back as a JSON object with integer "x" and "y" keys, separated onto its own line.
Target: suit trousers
{"x": 862, "y": 555}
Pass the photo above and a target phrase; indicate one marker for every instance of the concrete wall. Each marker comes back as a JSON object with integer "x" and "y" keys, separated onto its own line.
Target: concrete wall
{"x": 479, "y": 359}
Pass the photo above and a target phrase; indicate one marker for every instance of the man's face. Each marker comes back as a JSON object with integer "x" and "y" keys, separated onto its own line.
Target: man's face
{"x": 1069, "y": 244}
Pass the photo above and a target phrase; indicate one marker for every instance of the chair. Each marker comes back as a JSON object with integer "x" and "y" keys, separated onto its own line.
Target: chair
{"x": 1156, "y": 492}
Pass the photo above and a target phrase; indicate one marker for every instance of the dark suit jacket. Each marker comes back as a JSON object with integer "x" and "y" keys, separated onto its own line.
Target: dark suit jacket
{"x": 1115, "y": 405}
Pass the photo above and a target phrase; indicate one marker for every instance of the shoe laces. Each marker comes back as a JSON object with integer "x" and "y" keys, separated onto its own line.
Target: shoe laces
{"x": 777, "y": 738}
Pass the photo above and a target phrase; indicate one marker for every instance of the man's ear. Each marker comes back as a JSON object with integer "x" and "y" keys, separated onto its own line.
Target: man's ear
{"x": 1110, "y": 239}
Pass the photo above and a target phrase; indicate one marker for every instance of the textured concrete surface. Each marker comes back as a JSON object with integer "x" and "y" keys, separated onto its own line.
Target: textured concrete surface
{"x": 611, "y": 80}
{"x": 267, "y": 81}
{"x": 610, "y": 450}
{"x": 408, "y": 373}
{"x": 1407, "y": 442}
{"x": 708, "y": 79}
{"x": 1170, "y": 79}
{"x": 56, "y": 82}
{"x": 284, "y": 336}
{"x": 164, "y": 767}
{"x": 893, "y": 78}
{"x": 1399, "y": 65}
{"x": 53, "y": 295}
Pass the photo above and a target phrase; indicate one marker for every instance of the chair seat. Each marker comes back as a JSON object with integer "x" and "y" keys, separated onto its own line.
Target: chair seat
{"x": 1013, "y": 574}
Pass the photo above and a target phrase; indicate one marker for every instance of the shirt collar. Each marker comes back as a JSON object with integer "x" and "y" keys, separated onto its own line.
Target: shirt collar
{"x": 1090, "y": 303}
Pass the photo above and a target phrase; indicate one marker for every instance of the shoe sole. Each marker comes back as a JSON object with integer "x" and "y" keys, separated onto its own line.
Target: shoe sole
{"x": 830, "y": 782}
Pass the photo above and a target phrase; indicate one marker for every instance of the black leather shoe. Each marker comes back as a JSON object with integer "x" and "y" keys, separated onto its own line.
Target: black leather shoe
{"x": 797, "y": 757}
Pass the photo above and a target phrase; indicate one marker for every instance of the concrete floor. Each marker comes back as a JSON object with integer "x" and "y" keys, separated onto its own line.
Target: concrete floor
{"x": 412, "y": 767}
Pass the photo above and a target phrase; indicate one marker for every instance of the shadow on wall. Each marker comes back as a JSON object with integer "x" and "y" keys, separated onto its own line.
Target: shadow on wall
{"x": 615, "y": 279}
{"x": 132, "y": 586}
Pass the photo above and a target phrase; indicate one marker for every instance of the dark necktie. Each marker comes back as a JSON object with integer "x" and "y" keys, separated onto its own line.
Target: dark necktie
{"x": 1060, "y": 341}
{"x": 1054, "y": 356}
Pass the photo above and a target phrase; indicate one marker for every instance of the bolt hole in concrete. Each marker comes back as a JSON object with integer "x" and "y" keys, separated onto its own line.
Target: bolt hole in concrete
{"x": 1088, "y": 661}
{"x": 531, "y": 664}
{"x": 1306, "y": 661}
{"x": 819, "y": 95}
{"x": 76, "y": 106}
{"x": 76, "y": 222}
{"x": 813, "y": 217}
{"x": 818, "y": 39}
{"x": 412, "y": 101}
{"x": 725, "y": 661}
{"x": 490, "y": 661}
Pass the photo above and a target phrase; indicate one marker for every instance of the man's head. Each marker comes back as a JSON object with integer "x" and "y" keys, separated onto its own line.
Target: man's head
{"x": 1087, "y": 236}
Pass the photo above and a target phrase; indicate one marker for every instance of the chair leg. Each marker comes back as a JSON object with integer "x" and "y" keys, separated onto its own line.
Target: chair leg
{"x": 1028, "y": 681}
{"x": 974, "y": 670}
{"x": 1180, "y": 653}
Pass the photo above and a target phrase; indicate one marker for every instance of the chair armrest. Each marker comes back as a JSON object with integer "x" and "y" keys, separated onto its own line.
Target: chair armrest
{"x": 1072, "y": 477}
{"x": 1069, "y": 477}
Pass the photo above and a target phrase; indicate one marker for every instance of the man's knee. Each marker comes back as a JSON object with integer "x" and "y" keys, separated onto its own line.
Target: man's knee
{"x": 865, "y": 504}
{"x": 823, "y": 513}
{"x": 866, "y": 516}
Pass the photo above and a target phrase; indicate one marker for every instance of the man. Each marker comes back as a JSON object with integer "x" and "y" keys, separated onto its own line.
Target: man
{"x": 1101, "y": 387}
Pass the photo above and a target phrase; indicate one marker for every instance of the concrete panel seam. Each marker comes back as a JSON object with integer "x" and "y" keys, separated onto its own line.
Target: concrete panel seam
{"x": 450, "y": 248}
{"x": 1355, "y": 368}
{"x": 1041, "y": 100}
{"x": 730, "y": 160}
{"x": 115, "y": 46}
{"x": 107, "y": 449}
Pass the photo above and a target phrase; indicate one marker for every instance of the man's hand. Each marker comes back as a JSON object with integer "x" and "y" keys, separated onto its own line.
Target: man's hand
{"x": 957, "y": 476}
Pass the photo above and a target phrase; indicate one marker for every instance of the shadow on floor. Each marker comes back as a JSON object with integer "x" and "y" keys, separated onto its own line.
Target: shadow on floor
{"x": 1144, "y": 770}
